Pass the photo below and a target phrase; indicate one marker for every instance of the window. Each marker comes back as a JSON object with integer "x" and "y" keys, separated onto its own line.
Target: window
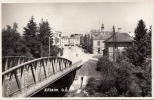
{"x": 98, "y": 42}
{"x": 98, "y": 50}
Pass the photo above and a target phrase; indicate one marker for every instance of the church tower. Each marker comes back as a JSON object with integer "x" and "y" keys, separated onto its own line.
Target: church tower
{"x": 102, "y": 28}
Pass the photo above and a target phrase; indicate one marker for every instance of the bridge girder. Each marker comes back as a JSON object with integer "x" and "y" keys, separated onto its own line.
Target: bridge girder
{"x": 29, "y": 77}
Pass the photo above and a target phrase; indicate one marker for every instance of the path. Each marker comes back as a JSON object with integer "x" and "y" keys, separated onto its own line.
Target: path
{"x": 86, "y": 71}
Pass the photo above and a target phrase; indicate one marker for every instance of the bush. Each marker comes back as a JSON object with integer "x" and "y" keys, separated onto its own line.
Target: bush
{"x": 61, "y": 51}
{"x": 123, "y": 77}
{"x": 101, "y": 88}
{"x": 105, "y": 65}
{"x": 106, "y": 83}
{"x": 55, "y": 51}
{"x": 119, "y": 79}
{"x": 91, "y": 86}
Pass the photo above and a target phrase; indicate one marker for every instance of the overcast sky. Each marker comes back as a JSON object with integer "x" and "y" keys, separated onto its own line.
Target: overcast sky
{"x": 70, "y": 18}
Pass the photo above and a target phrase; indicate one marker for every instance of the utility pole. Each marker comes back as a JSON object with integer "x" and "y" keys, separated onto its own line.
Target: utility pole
{"x": 41, "y": 49}
{"x": 113, "y": 44}
{"x": 116, "y": 40}
{"x": 99, "y": 26}
{"x": 49, "y": 46}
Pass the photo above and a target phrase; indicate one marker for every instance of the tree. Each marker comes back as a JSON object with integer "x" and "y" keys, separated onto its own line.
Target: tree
{"x": 140, "y": 31}
{"x": 44, "y": 34}
{"x": 21, "y": 49}
{"x": 9, "y": 39}
{"x": 130, "y": 75}
{"x": 148, "y": 38}
{"x": 30, "y": 35}
{"x": 138, "y": 53}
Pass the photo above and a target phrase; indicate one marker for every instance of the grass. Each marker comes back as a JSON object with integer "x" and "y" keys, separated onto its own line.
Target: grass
{"x": 88, "y": 69}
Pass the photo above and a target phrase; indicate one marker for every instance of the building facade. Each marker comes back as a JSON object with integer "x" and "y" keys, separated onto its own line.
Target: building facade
{"x": 117, "y": 44}
{"x": 73, "y": 40}
{"x": 56, "y": 37}
{"x": 98, "y": 42}
{"x": 65, "y": 41}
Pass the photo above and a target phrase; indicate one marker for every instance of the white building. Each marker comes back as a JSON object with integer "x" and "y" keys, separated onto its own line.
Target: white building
{"x": 64, "y": 41}
{"x": 56, "y": 36}
{"x": 98, "y": 42}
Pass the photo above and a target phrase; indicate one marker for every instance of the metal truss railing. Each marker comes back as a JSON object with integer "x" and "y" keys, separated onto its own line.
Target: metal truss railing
{"x": 11, "y": 61}
{"x": 24, "y": 76}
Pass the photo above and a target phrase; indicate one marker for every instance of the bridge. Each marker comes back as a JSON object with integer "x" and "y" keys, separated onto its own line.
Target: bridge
{"x": 25, "y": 77}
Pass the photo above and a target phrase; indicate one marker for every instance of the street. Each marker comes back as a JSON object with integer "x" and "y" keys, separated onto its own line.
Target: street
{"x": 75, "y": 54}
{"x": 86, "y": 71}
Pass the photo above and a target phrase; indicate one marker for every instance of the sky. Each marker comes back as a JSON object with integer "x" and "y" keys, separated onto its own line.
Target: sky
{"x": 72, "y": 18}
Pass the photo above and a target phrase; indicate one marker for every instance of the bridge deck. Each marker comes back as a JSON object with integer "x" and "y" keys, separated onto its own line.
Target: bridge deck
{"x": 45, "y": 81}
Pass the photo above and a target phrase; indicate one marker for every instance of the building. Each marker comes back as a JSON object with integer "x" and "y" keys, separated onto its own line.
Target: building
{"x": 75, "y": 39}
{"x": 89, "y": 42}
{"x": 98, "y": 42}
{"x": 72, "y": 41}
{"x": 93, "y": 41}
{"x": 82, "y": 40}
{"x": 56, "y": 37}
{"x": 65, "y": 41}
{"x": 86, "y": 41}
{"x": 121, "y": 40}
{"x": 101, "y": 42}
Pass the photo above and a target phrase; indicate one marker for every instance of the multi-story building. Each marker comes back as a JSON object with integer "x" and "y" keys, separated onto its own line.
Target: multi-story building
{"x": 75, "y": 39}
{"x": 65, "y": 41}
{"x": 82, "y": 40}
{"x": 98, "y": 42}
{"x": 89, "y": 39}
{"x": 56, "y": 37}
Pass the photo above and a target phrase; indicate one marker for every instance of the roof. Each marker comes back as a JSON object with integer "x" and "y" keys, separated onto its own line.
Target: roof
{"x": 103, "y": 36}
{"x": 64, "y": 37}
{"x": 121, "y": 37}
{"x": 95, "y": 33}
{"x": 76, "y": 36}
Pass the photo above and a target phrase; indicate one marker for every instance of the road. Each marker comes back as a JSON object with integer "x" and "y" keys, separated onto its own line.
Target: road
{"x": 75, "y": 53}
{"x": 86, "y": 71}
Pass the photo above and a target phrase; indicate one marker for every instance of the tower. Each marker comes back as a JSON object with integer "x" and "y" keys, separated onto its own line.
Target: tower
{"x": 102, "y": 28}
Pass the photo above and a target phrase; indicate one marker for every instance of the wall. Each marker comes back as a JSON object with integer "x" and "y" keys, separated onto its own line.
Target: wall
{"x": 64, "y": 41}
{"x": 96, "y": 46}
{"x": 109, "y": 47}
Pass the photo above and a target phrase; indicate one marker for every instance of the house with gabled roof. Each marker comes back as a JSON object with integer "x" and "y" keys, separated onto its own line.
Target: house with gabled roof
{"x": 98, "y": 42}
{"x": 117, "y": 43}
{"x": 101, "y": 42}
